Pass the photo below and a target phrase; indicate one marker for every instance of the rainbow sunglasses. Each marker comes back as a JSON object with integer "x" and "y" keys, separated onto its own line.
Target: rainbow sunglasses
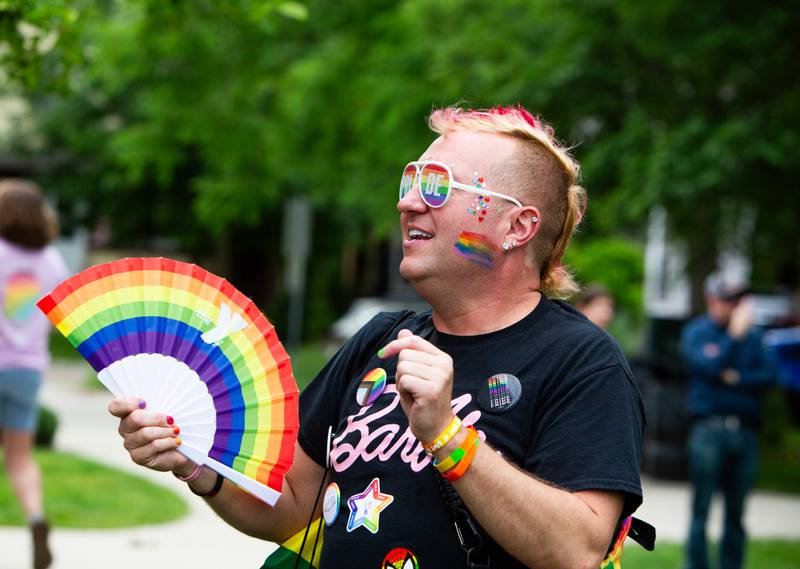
{"x": 435, "y": 181}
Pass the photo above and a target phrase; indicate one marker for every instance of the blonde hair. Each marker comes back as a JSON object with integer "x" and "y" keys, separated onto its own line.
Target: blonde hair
{"x": 542, "y": 171}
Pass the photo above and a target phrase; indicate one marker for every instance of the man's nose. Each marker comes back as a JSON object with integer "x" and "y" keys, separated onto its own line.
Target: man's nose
{"x": 412, "y": 201}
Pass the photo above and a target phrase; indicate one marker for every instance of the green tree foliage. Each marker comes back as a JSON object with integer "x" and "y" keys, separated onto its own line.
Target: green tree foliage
{"x": 617, "y": 264}
{"x": 168, "y": 113}
{"x": 194, "y": 119}
{"x": 708, "y": 97}
{"x": 38, "y": 40}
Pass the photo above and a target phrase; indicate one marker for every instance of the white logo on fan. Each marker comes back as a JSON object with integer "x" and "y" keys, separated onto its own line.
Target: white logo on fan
{"x": 228, "y": 322}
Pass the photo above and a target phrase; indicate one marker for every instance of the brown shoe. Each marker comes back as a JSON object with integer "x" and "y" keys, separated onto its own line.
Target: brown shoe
{"x": 41, "y": 552}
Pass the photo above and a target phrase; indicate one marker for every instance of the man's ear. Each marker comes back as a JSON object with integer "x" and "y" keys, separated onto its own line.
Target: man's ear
{"x": 524, "y": 226}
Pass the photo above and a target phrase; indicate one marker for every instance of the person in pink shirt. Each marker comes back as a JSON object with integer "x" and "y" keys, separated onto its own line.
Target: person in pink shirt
{"x": 29, "y": 268}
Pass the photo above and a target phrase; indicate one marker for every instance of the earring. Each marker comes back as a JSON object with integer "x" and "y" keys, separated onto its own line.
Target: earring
{"x": 506, "y": 246}
{"x": 513, "y": 243}
{"x": 534, "y": 219}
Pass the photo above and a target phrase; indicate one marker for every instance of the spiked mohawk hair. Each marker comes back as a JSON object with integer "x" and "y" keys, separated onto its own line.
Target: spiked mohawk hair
{"x": 541, "y": 173}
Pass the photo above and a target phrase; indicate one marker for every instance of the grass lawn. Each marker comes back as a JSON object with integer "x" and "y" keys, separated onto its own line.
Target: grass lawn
{"x": 83, "y": 494}
{"x": 779, "y": 469}
{"x": 762, "y": 554}
{"x": 61, "y": 349}
{"x": 307, "y": 361}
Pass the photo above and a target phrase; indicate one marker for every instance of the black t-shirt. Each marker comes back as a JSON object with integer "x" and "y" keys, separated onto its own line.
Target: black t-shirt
{"x": 578, "y": 424}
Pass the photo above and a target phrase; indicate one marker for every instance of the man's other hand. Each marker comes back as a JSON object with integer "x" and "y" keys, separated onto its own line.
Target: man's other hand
{"x": 424, "y": 381}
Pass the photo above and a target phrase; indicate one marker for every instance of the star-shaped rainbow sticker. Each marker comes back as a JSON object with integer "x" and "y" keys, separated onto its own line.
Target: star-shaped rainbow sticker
{"x": 365, "y": 508}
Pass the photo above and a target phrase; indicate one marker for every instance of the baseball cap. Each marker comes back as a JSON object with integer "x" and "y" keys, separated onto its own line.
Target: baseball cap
{"x": 725, "y": 287}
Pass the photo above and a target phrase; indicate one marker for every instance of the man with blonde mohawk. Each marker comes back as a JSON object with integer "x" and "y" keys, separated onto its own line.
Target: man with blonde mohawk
{"x": 501, "y": 411}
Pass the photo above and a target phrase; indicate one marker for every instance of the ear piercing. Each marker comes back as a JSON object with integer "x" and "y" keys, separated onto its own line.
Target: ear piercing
{"x": 507, "y": 246}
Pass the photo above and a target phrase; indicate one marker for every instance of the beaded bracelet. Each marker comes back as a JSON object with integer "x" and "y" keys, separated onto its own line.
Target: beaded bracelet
{"x": 462, "y": 465}
{"x": 195, "y": 474}
{"x": 449, "y": 432}
{"x": 214, "y": 491}
{"x": 458, "y": 454}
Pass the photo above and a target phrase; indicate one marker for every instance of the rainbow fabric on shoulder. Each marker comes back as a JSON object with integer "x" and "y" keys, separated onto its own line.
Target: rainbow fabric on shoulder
{"x": 301, "y": 551}
{"x": 614, "y": 557}
{"x": 195, "y": 348}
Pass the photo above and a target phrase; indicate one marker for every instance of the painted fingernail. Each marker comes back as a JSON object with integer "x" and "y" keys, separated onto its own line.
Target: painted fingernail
{"x": 142, "y": 403}
{"x": 170, "y": 420}
{"x": 178, "y": 441}
{"x": 381, "y": 352}
{"x": 176, "y": 429}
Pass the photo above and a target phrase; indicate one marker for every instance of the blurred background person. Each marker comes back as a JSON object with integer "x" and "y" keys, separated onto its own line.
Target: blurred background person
{"x": 729, "y": 371}
{"x": 29, "y": 267}
{"x": 597, "y": 304}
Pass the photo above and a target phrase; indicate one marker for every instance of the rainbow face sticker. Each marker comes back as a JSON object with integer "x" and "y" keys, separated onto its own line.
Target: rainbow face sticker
{"x": 371, "y": 387}
{"x": 21, "y": 292}
{"x": 400, "y": 558}
{"x": 476, "y": 248}
{"x": 366, "y": 507}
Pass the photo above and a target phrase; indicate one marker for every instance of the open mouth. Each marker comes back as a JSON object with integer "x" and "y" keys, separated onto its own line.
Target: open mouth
{"x": 416, "y": 234}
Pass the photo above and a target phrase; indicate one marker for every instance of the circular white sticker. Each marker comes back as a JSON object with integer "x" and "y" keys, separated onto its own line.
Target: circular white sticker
{"x": 330, "y": 503}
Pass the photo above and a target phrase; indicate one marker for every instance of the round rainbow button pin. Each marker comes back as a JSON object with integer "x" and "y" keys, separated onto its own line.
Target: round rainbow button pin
{"x": 371, "y": 387}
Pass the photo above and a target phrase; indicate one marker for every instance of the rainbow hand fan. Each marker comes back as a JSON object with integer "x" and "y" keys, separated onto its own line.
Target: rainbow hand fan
{"x": 195, "y": 348}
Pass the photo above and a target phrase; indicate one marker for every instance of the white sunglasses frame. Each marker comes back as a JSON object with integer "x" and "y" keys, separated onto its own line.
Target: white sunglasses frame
{"x": 419, "y": 165}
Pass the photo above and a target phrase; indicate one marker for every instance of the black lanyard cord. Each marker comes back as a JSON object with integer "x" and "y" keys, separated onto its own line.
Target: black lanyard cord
{"x": 308, "y": 526}
{"x": 408, "y": 314}
{"x": 466, "y": 529}
{"x": 468, "y": 535}
{"x": 316, "y": 539}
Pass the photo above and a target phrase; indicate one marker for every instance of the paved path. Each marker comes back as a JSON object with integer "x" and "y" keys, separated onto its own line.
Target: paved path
{"x": 202, "y": 540}
{"x": 199, "y": 540}
{"x": 768, "y": 515}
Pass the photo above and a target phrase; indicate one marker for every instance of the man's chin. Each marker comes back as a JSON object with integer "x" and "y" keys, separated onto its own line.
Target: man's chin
{"x": 410, "y": 271}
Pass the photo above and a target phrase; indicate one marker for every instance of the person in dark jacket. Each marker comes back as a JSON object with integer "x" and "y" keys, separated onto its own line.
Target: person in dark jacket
{"x": 729, "y": 371}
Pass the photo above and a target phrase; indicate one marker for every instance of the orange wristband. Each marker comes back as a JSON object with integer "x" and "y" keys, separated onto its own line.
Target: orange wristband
{"x": 448, "y": 433}
{"x": 462, "y": 465}
{"x": 457, "y": 455}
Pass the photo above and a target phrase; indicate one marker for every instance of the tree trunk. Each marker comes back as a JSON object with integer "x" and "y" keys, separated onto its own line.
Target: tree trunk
{"x": 702, "y": 240}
